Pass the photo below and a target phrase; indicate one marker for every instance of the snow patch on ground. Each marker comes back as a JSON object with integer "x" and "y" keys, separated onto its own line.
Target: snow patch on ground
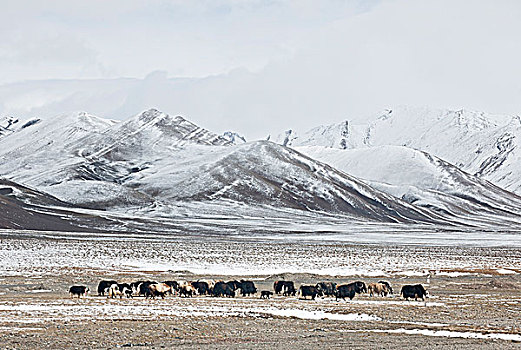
{"x": 102, "y": 308}
{"x": 19, "y": 329}
{"x": 441, "y": 333}
{"x": 411, "y": 273}
{"x": 453, "y": 273}
{"x": 398, "y": 302}
{"x": 321, "y": 315}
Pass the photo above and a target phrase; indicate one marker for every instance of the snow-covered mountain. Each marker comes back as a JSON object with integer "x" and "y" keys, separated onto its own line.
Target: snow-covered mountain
{"x": 423, "y": 180}
{"x": 263, "y": 173}
{"x": 83, "y": 159}
{"x": 481, "y": 144}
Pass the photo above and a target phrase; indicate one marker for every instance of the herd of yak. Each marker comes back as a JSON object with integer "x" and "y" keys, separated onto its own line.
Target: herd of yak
{"x": 151, "y": 289}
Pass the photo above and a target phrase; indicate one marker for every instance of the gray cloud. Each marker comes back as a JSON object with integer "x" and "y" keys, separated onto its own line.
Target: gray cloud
{"x": 132, "y": 38}
{"x": 263, "y": 66}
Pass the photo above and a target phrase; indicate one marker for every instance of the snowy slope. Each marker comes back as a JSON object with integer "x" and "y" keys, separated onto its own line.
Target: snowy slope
{"x": 32, "y": 153}
{"x": 151, "y": 132}
{"x": 43, "y": 153}
{"x": 25, "y": 208}
{"x": 122, "y": 151}
{"x": 482, "y": 144}
{"x": 424, "y": 180}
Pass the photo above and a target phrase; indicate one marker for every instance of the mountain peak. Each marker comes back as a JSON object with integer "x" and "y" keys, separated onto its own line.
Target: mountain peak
{"x": 161, "y": 120}
{"x": 150, "y": 115}
{"x": 151, "y": 134}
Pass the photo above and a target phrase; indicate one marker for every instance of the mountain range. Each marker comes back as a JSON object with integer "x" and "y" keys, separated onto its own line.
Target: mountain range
{"x": 478, "y": 143}
{"x": 406, "y": 167}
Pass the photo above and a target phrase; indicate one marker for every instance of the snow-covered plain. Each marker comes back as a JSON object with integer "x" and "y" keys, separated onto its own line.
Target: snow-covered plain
{"x": 236, "y": 255}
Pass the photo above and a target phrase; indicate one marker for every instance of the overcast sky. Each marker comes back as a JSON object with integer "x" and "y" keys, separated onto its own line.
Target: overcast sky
{"x": 285, "y": 63}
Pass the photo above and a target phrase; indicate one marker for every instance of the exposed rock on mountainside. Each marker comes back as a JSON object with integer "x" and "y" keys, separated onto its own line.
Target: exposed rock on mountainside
{"x": 234, "y": 137}
{"x": 7, "y": 125}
